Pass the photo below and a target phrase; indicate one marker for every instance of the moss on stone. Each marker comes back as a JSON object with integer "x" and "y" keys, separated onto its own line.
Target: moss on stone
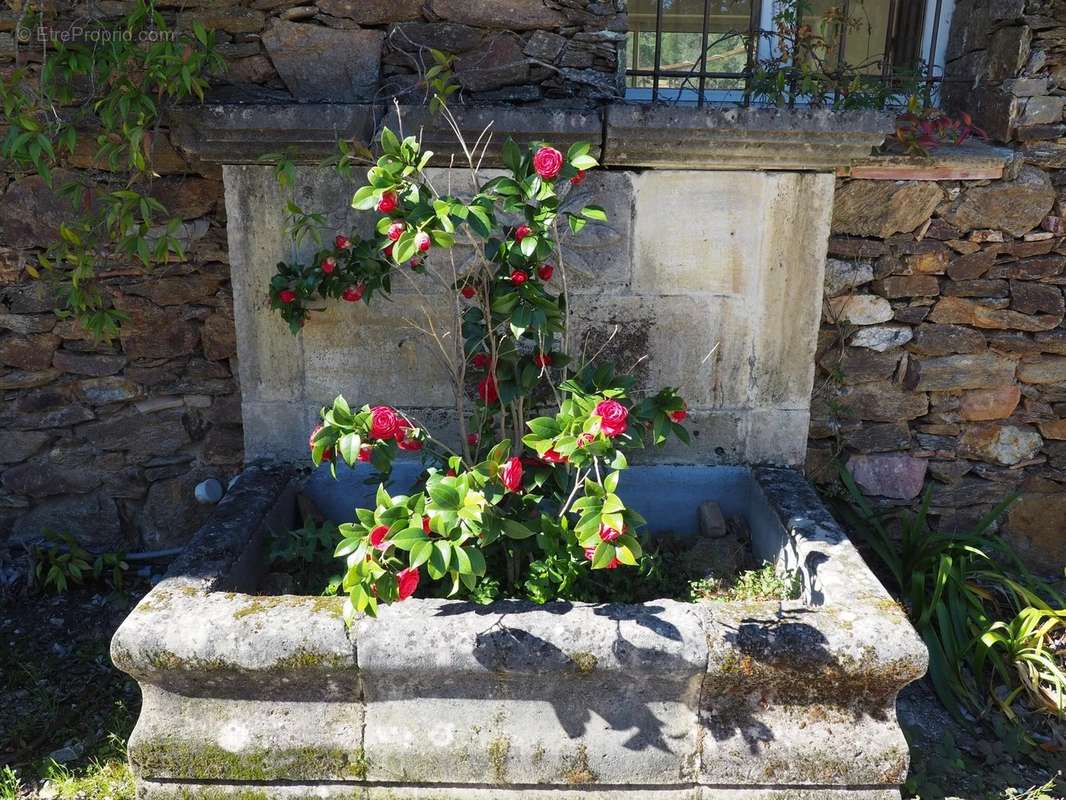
{"x": 499, "y": 748}
{"x": 308, "y": 659}
{"x": 172, "y": 758}
{"x": 576, "y": 767}
{"x": 584, "y": 662}
{"x": 263, "y": 604}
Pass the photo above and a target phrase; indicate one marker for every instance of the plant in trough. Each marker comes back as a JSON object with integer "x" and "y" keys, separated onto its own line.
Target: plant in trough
{"x": 534, "y": 475}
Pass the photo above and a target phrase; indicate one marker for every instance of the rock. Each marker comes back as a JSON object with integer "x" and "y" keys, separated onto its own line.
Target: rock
{"x": 512, "y": 15}
{"x": 1031, "y": 269}
{"x": 28, "y": 352}
{"x": 1052, "y": 342}
{"x": 952, "y": 373}
{"x": 969, "y": 491}
{"x": 16, "y": 446}
{"x": 1008, "y": 50}
{"x": 976, "y": 288}
{"x": 28, "y": 298}
{"x": 1016, "y": 207}
{"x": 908, "y": 286}
{"x": 544, "y": 46}
{"x": 224, "y": 17}
{"x": 1034, "y": 526}
{"x": 373, "y": 12}
{"x": 882, "y": 337}
{"x": 949, "y": 471}
{"x": 1048, "y": 369}
{"x": 445, "y": 36}
{"x": 942, "y": 340}
{"x": 501, "y": 63}
{"x": 145, "y": 434}
{"x": 254, "y": 69}
{"x": 31, "y": 212}
{"x": 53, "y": 475}
{"x": 1036, "y": 298}
{"x": 853, "y": 365}
{"x": 97, "y": 365}
{"x": 969, "y": 312}
{"x": 187, "y": 197}
{"x": 859, "y": 309}
{"x": 219, "y": 337}
{"x": 92, "y": 519}
{"x": 712, "y": 523}
{"x": 325, "y": 64}
{"x": 989, "y": 404}
{"x": 879, "y": 437}
{"x": 841, "y": 276}
{"x": 845, "y": 247}
{"x": 1053, "y": 429}
{"x": 900, "y": 477}
{"x": 27, "y": 323}
{"x": 102, "y": 391}
{"x": 1011, "y": 342}
{"x": 153, "y": 332}
{"x": 224, "y": 444}
{"x": 882, "y": 208}
{"x": 882, "y": 401}
{"x": 999, "y": 444}
{"x": 1041, "y": 111}
{"x": 171, "y": 514}
{"x": 974, "y": 265}
{"x": 931, "y": 262}
{"x": 50, "y": 407}
{"x": 176, "y": 291}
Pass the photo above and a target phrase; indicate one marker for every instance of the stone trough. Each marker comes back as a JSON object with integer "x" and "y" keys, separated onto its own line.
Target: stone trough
{"x": 272, "y": 697}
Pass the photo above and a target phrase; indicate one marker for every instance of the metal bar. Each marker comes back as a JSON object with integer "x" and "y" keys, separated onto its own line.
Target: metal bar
{"x": 889, "y": 52}
{"x": 658, "y": 49}
{"x": 703, "y": 51}
{"x": 931, "y": 64}
{"x": 754, "y": 32}
{"x": 840, "y": 52}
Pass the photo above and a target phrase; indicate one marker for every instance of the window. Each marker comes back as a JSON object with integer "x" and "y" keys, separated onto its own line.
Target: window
{"x": 699, "y": 50}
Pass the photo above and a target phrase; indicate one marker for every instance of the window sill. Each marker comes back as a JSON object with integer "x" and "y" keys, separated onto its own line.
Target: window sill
{"x": 972, "y": 161}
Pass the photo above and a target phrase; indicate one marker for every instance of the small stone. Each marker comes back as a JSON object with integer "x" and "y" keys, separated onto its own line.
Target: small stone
{"x": 882, "y": 337}
{"x": 908, "y": 286}
{"x": 101, "y": 391}
{"x": 985, "y": 236}
{"x": 27, "y": 323}
{"x": 1053, "y": 429}
{"x": 955, "y": 372}
{"x": 1041, "y": 111}
{"x": 373, "y": 12}
{"x": 545, "y": 46}
{"x": 1049, "y": 369}
{"x": 932, "y": 262}
{"x": 976, "y": 288}
{"x": 92, "y": 519}
{"x": 225, "y": 17}
{"x": 1034, "y": 526}
{"x": 499, "y": 64}
{"x": 1031, "y": 269}
{"x": 1000, "y": 444}
{"x": 879, "y": 437}
{"x": 1036, "y": 298}
{"x": 87, "y": 364}
{"x": 325, "y": 64}
{"x": 511, "y": 15}
{"x": 1015, "y": 206}
{"x": 16, "y": 446}
{"x": 712, "y": 523}
{"x": 171, "y": 512}
{"x": 859, "y": 309}
{"x": 146, "y": 434}
{"x": 968, "y": 267}
{"x": 882, "y": 401}
{"x": 988, "y": 404}
{"x": 854, "y": 365}
{"x": 846, "y": 247}
{"x": 841, "y": 276}
{"x": 959, "y": 310}
{"x": 1052, "y": 342}
{"x": 896, "y": 476}
{"x": 882, "y": 208}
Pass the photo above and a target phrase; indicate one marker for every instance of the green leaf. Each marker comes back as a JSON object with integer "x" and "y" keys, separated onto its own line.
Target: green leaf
{"x": 420, "y": 553}
{"x": 584, "y": 162}
{"x": 349, "y": 448}
{"x": 389, "y": 143}
{"x": 365, "y": 198}
{"x": 408, "y": 538}
{"x": 444, "y": 497}
{"x": 516, "y": 530}
{"x": 594, "y": 213}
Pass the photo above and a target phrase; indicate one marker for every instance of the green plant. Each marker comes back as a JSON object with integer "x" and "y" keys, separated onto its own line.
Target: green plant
{"x": 307, "y": 555}
{"x": 63, "y": 562}
{"x": 765, "y": 583}
{"x": 116, "y": 91}
{"x": 10, "y": 784}
{"x": 960, "y": 591}
{"x": 921, "y": 129}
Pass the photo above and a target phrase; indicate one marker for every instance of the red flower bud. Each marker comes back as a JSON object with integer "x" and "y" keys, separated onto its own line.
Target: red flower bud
{"x": 547, "y": 162}
{"x": 395, "y": 231}
{"x": 613, "y": 416}
{"x": 327, "y": 454}
{"x": 468, "y": 291}
{"x": 450, "y": 473}
{"x": 681, "y": 415}
{"x": 422, "y": 241}
{"x": 614, "y": 563}
{"x": 518, "y": 277}
{"x": 286, "y": 296}
{"x": 384, "y": 422}
{"x": 552, "y": 456}
{"x": 545, "y": 271}
{"x": 342, "y": 242}
{"x": 407, "y": 582}
{"x": 487, "y": 391}
{"x": 366, "y": 452}
{"x": 407, "y": 438}
{"x": 521, "y": 232}
{"x": 472, "y": 439}
{"x": 609, "y": 534}
{"x": 511, "y": 474}
{"x": 353, "y": 294}
{"x": 377, "y": 536}
{"x": 542, "y": 360}
{"x": 585, "y": 439}
{"x": 328, "y": 265}
{"x": 415, "y": 263}
{"x": 387, "y": 250}
{"x": 590, "y": 553}
{"x": 481, "y": 360}
{"x": 388, "y": 202}
{"x": 425, "y": 525}
{"x": 578, "y": 179}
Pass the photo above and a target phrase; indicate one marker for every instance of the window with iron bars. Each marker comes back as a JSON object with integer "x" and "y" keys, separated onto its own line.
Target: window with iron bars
{"x": 857, "y": 52}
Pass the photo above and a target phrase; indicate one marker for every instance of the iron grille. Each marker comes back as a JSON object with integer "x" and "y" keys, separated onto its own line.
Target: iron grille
{"x": 699, "y": 50}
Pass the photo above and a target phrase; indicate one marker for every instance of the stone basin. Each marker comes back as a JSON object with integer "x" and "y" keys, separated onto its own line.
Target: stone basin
{"x": 262, "y": 697}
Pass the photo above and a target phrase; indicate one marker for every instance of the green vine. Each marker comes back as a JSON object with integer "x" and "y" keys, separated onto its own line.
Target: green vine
{"x": 115, "y": 88}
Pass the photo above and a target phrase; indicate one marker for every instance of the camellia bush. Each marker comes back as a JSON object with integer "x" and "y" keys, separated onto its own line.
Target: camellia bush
{"x": 526, "y": 501}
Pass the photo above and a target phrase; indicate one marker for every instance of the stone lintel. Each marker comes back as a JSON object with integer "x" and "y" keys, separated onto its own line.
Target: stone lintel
{"x": 971, "y": 161}
{"x": 622, "y": 135}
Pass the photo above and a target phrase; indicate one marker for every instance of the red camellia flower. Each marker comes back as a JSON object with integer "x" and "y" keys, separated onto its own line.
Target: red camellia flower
{"x": 511, "y": 474}
{"x": 422, "y": 241}
{"x": 425, "y": 525}
{"x": 395, "y": 231}
{"x": 545, "y": 271}
{"x": 679, "y": 416}
{"x": 547, "y": 162}
{"x": 468, "y": 291}
{"x": 609, "y": 534}
{"x": 585, "y": 439}
{"x": 486, "y": 390}
{"x": 387, "y": 203}
{"x": 377, "y": 536}
{"x": 521, "y": 232}
{"x": 552, "y": 456}
{"x": 613, "y": 416}
{"x": 481, "y": 360}
{"x": 590, "y": 553}
{"x": 384, "y": 422}
{"x": 366, "y": 452}
{"x": 518, "y": 277}
{"x": 407, "y": 582}
{"x": 342, "y": 242}
{"x": 472, "y": 439}
{"x": 407, "y": 439}
{"x": 450, "y": 473}
{"x": 578, "y": 179}
{"x": 614, "y": 563}
{"x": 327, "y": 454}
{"x": 415, "y": 263}
{"x": 542, "y": 360}
{"x": 387, "y": 250}
{"x": 328, "y": 265}
{"x": 353, "y": 294}
{"x": 286, "y": 296}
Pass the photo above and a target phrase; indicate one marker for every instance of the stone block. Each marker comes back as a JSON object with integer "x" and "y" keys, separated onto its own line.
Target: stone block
{"x": 372, "y": 12}
{"x": 896, "y": 476}
{"x": 955, "y": 372}
{"x": 325, "y": 64}
{"x": 1041, "y": 111}
{"x": 512, "y": 15}
{"x": 1036, "y": 298}
{"x": 882, "y": 337}
{"x": 941, "y": 340}
{"x": 842, "y": 276}
{"x": 958, "y": 310}
{"x": 908, "y": 286}
{"x": 1048, "y": 369}
{"x": 859, "y": 309}
{"x": 989, "y": 404}
{"x": 878, "y": 437}
{"x": 144, "y": 434}
{"x": 1016, "y": 207}
{"x": 999, "y": 444}
{"x": 32, "y": 352}
{"x": 92, "y": 364}
{"x": 499, "y": 63}
{"x": 1034, "y": 527}
{"x": 92, "y": 519}
{"x": 882, "y": 401}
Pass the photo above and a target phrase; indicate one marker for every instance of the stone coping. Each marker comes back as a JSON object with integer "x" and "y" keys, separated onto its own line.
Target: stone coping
{"x": 973, "y": 160}
{"x": 623, "y": 135}
{"x": 445, "y": 699}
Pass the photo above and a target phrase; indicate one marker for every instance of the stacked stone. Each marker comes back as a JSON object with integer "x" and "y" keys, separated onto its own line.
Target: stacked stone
{"x": 942, "y": 357}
